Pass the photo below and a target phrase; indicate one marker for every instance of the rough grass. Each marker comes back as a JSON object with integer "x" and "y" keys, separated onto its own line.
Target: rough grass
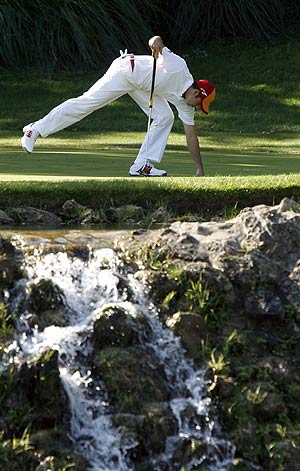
{"x": 178, "y": 194}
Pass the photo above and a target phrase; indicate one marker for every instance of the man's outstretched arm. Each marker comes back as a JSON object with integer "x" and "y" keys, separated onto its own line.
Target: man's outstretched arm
{"x": 194, "y": 148}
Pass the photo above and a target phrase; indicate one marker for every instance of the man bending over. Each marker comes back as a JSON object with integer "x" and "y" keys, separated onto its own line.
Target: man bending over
{"x": 133, "y": 75}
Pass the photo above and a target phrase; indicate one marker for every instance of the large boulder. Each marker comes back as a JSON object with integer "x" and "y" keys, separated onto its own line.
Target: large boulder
{"x": 46, "y": 305}
{"x": 35, "y": 395}
{"x": 132, "y": 376}
{"x": 33, "y": 216}
{"x": 115, "y": 327}
{"x": 5, "y": 219}
{"x": 190, "y": 327}
{"x": 10, "y": 261}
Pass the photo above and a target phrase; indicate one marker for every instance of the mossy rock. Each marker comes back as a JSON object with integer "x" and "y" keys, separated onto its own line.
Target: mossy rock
{"x": 150, "y": 430}
{"x": 158, "y": 424}
{"x": 44, "y": 296}
{"x": 133, "y": 378}
{"x": 117, "y": 328}
{"x": 33, "y": 395}
{"x": 7, "y": 325}
{"x": 33, "y": 216}
{"x": 188, "y": 449}
{"x": 191, "y": 329}
{"x": 46, "y": 305}
{"x": 128, "y": 213}
{"x": 10, "y": 260}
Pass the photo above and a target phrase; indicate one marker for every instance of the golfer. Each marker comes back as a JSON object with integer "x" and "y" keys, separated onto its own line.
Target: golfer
{"x": 133, "y": 75}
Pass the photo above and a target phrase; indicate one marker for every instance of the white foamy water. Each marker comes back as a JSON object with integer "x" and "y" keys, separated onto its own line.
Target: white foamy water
{"x": 89, "y": 286}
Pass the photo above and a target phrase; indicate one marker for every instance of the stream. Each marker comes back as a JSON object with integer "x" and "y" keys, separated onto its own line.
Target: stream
{"x": 90, "y": 284}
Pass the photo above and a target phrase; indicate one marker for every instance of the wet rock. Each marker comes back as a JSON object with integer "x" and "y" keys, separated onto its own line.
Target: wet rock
{"x": 191, "y": 419}
{"x": 46, "y": 305}
{"x": 35, "y": 396}
{"x": 116, "y": 327}
{"x": 132, "y": 376}
{"x": 146, "y": 465}
{"x": 181, "y": 454}
{"x": 158, "y": 424}
{"x": 32, "y": 216}
{"x": 193, "y": 449}
{"x": 5, "y": 219}
{"x": 191, "y": 329}
{"x": 225, "y": 387}
{"x": 124, "y": 288}
{"x": 158, "y": 284}
{"x": 10, "y": 260}
{"x": 150, "y": 431}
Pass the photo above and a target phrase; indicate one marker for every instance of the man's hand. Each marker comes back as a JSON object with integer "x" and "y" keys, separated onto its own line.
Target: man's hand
{"x": 199, "y": 172}
{"x": 156, "y": 45}
{"x": 194, "y": 148}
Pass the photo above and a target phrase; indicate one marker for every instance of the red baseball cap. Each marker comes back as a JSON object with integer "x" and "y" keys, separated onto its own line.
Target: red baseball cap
{"x": 207, "y": 94}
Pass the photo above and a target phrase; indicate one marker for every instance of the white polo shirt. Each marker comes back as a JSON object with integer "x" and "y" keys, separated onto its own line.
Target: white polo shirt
{"x": 172, "y": 79}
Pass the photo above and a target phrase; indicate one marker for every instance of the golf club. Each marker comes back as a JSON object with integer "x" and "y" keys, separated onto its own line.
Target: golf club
{"x": 150, "y": 106}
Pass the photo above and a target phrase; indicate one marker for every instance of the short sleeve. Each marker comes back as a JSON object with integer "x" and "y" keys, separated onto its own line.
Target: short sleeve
{"x": 186, "y": 113}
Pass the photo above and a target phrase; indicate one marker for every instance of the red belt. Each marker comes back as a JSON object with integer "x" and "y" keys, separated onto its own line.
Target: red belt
{"x": 132, "y": 61}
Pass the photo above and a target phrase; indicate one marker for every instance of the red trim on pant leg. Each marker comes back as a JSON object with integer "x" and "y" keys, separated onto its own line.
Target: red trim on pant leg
{"x": 132, "y": 61}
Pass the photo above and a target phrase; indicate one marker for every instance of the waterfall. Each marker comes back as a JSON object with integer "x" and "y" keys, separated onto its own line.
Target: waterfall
{"x": 89, "y": 285}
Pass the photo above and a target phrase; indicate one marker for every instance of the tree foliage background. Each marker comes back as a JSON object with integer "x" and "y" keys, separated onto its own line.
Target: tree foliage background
{"x": 85, "y": 35}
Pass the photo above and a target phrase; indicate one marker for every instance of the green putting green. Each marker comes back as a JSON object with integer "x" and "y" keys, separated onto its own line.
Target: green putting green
{"x": 59, "y": 163}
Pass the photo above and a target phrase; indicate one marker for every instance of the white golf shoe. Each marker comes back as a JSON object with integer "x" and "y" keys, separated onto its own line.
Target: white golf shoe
{"x": 30, "y": 136}
{"x": 146, "y": 170}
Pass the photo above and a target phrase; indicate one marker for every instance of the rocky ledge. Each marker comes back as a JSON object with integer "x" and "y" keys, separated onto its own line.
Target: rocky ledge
{"x": 74, "y": 213}
{"x": 231, "y": 291}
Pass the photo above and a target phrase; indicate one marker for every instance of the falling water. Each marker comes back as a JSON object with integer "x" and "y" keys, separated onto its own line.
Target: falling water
{"x": 89, "y": 286}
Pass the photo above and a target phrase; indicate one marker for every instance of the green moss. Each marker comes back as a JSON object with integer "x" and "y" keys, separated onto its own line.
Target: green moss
{"x": 7, "y": 324}
{"x": 132, "y": 377}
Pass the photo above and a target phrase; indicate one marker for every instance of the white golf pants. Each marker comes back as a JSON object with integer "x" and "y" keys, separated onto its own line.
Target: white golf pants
{"x": 117, "y": 81}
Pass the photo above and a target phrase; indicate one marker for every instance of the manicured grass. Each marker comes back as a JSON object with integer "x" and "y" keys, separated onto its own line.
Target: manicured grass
{"x": 114, "y": 161}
